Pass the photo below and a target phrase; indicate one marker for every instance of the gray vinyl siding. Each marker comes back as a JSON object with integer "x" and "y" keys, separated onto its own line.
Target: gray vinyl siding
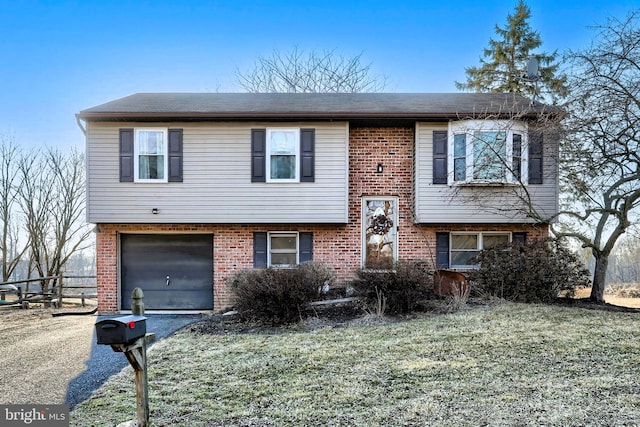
{"x": 217, "y": 185}
{"x": 442, "y": 203}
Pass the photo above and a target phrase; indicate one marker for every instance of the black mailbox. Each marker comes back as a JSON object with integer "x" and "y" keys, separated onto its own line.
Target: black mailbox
{"x": 121, "y": 330}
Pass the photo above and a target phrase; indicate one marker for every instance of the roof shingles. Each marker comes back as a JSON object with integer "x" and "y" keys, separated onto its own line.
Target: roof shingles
{"x": 310, "y": 105}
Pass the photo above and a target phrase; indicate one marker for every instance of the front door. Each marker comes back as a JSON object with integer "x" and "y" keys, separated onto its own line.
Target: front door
{"x": 379, "y": 232}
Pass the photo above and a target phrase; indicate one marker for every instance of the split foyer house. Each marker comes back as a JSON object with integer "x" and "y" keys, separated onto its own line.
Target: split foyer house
{"x": 185, "y": 189}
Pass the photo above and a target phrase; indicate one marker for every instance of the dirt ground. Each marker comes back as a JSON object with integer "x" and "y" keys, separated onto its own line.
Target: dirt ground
{"x": 41, "y": 354}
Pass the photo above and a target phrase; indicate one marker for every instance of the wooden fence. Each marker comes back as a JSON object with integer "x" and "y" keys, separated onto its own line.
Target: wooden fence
{"x": 60, "y": 290}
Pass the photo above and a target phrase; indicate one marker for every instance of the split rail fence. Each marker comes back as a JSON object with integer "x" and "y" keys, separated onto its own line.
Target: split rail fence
{"x": 61, "y": 287}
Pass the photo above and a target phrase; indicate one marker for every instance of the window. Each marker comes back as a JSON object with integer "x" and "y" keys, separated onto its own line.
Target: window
{"x": 282, "y": 249}
{"x": 283, "y": 147}
{"x": 486, "y": 152}
{"x": 150, "y": 155}
{"x": 464, "y": 246}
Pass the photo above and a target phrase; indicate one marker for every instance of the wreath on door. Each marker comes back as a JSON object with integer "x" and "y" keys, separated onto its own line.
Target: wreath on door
{"x": 381, "y": 224}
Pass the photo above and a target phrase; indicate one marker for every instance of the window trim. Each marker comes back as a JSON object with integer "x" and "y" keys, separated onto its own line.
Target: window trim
{"x": 479, "y": 247}
{"x": 136, "y": 155}
{"x": 268, "y": 154}
{"x": 270, "y": 234}
{"x": 469, "y": 128}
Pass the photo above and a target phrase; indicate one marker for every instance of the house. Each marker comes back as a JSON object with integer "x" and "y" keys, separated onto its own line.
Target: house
{"x": 184, "y": 189}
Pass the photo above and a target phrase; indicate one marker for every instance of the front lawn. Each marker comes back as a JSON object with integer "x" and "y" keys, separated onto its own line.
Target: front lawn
{"x": 508, "y": 364}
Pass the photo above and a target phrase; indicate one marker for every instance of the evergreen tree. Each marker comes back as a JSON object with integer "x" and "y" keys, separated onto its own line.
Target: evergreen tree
{"x": 503, "y": 67}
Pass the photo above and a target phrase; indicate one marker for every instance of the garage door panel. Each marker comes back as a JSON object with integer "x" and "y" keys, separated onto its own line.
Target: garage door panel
{"x": 187, "y": 260}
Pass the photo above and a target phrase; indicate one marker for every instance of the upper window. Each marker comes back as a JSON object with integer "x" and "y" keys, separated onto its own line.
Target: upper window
{"x": 486, "y": 152}
{"x": 283, "y": 146}
{"x": 150, "y": 155}
{"x": 464, "y": 246}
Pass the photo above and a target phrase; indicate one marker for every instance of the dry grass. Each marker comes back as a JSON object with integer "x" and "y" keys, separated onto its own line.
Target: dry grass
{"x": 611, "y": 298}
{"x": 508, "y": 364}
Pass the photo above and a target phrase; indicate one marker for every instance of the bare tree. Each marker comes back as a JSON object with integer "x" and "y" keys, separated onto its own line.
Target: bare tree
{"x": 625, "y": 267}
{"x": 311, "y": 72}
{"x": 52, "y": 199}
{"x": 11, "y": 249}
{"x": 600, "y": 155}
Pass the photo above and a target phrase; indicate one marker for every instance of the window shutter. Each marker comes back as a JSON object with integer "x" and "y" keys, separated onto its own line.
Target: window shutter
{"x": 439, "y": 157}
{"x": 535, "y": 157}
{"x": 260, "y": 250}
{"x": 126, "y": 155}
{"x": 258, "y": 155}
{"x": 306, "y": 247}
{"x": 307, "y": 155}
{"x": 175, "y": 155}
{"x": 442, "y": 250}
{"x": 519, "y": 238}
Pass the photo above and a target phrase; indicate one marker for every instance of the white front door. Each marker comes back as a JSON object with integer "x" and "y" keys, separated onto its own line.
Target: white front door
{"x": 379, "y": 232}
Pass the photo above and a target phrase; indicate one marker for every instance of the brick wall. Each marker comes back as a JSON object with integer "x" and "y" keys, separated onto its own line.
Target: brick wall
{"x": 337, "y": 245}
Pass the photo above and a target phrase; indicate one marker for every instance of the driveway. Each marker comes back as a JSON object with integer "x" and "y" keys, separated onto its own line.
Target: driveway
{"x": 104, "y": 362}
{"x": 52, "y": 360}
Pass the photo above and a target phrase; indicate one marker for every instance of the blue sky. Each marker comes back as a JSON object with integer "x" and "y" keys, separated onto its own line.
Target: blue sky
{"x": 59, "y": 57}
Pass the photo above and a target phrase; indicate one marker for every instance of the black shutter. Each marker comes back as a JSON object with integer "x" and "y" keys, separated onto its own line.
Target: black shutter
{"x": 306, "y": 246}
{"x": 439, "y": 156}
{"x": 519, "y": 238}
{"x": 175, "y": 155}
{"x": 126, "y": 155}
{"x": 442, "y": 250}
{"x": 258, "y": 155}
{"x": 307, "y": 155}
{"x": 260, "y": 250}
{"x": 535, "y": 157}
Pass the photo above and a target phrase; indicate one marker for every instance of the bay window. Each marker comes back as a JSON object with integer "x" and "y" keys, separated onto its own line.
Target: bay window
{"x": 485, "y": 152}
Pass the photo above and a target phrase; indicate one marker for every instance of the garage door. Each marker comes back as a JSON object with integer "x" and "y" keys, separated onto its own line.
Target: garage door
{"x": 175, "y": 271}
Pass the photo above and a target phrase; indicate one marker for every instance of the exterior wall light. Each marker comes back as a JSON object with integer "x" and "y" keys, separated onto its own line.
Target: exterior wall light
{"x": 155, "y": 211}
{"x": 379, "y": 168}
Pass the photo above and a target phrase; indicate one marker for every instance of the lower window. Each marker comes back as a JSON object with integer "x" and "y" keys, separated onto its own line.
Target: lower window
{"x": 464, "y": 246}
{"x": 282, "y": 249}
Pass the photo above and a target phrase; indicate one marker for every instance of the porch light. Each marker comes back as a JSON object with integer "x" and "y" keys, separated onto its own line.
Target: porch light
{"x": 379, "y": 168}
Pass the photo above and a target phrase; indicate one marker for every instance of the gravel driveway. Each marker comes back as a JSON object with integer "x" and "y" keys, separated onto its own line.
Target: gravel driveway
{"x": 52, "y": 360}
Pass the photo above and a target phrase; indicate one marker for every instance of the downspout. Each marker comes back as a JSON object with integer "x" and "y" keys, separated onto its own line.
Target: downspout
{"x": 82, "y": 128}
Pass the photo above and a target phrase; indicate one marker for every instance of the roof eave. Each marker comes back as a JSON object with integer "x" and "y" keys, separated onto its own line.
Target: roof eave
{"x": 130, "y": 116}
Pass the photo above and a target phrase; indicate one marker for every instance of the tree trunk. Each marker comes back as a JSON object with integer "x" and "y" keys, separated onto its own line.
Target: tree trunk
{"x": 599, "y": 278}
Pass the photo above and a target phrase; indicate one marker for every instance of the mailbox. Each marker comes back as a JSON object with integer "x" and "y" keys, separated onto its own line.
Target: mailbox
{"x": 121, "y": 330}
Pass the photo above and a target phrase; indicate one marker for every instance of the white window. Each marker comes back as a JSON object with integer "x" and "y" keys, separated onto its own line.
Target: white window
{"x": 485, "y": 152}
{"x": 464, "y": 246}
{"x": 150, "y": 155}
{"x": 282, "y": 248}
{"x": 283, "y": 146}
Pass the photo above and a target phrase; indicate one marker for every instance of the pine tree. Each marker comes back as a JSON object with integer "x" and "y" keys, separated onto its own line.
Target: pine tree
{"x": 503, "y": 66}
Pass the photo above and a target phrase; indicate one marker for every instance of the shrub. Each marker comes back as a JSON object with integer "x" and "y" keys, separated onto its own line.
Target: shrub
{"x": 277, "y": 296}
{"x": 536, "y": 272}
{"x": 400, "y": 290}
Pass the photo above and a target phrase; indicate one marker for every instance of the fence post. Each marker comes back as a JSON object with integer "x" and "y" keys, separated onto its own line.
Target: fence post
{"x": 60, "y": 290}
{"x": 142, "y": 383}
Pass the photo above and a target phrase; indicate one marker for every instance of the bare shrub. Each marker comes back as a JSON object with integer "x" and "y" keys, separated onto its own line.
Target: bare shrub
{"x": 402, "y": 289}
{"x": 458, "y": 296}
{"x": 277, "y": 296}
{"x": 536, "y": 272}
{"x": 625, "y": 290}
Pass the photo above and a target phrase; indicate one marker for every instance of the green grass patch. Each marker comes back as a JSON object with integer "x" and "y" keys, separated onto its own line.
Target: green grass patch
{"x": 510, "y": 364}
